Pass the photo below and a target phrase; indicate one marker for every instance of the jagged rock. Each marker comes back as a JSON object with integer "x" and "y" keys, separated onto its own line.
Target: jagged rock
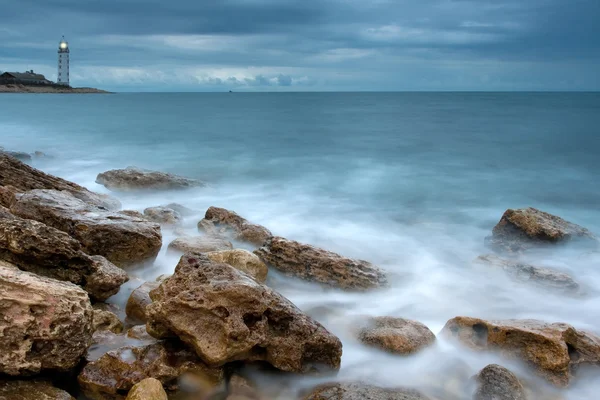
{"x": 132, "y": 178}
{"x": 553, "y": 350}
{"x": 31, "y": 390}
{"x": 544, "y": 277}
{"x": 116, "y": 372}
{"x": 242, "y": 260}
{"x": 225, "y": 315}
{"x": 138, "y": 300}
{"x": 148, "y": 389}
{"x": 198, "y": 244}
{"x": 162, "y": 215}
{"x": 24, "y": 178}
{"x": 46, "y": 324}
{"x": 522, "y": 229}
{"x": 35, "y": 247}
{"x": 362, "y": 391}
{"x": 396, "y": 335}
{"x": 318, "y": 265}
{"x": 107, "y": 321}
{"x": 8, "y": 196}
{"x": 122, "y": 239}
{"x": 498, "y": 383}
{"x": 222, "y": 222}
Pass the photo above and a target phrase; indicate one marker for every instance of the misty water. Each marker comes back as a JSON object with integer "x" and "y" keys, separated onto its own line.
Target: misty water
{"x": 412, "y": 182}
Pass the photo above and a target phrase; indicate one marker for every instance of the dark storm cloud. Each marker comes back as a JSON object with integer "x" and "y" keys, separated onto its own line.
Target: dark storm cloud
{"x": 319, "y": 44}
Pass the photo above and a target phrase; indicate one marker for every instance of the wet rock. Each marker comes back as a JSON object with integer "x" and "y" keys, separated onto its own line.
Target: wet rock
{"x": 148, "y": 389}
{"x": 8, "y": 196}
{"x": 132, "y": 179}
{"x": 114, "y": 374}
{"x": 163, "y": 215}
{"x": 396, "y": 335}
{"x": 522, "y": 229}
{"x": 122, "y": 239}
{"x": 182, "y": 210}
{"x": 498, "y": 383}
{"x": 544, "y": 277}
{"x": 222, "y": 222}
{"x": 242, "y": 260}
{"x": 138, "y": 300}
{"x": 24, "y": 178}
{"x": 199, "y": 244}
{"x": 553, "y": 350}
{"x": 107, "y": 321}
{"x": 46, "y": 324}
{"x": 318, "y": 265}
{"x": 37, "y": 248}
{"x": 362, "y": 391}
{"x": 31, "y": 390}
{"x": 225, "y": 315}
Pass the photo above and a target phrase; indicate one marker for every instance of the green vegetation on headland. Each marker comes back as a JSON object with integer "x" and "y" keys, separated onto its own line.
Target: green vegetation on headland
{"x": 20, "y": 88}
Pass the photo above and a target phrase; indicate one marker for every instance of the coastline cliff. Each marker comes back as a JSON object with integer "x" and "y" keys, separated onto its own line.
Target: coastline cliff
{"x": 20, "y": 88}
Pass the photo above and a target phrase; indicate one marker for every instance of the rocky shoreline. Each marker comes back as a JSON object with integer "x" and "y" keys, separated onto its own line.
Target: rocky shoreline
{"x": 65, "y": 250}
{"x": 19, "y": 88}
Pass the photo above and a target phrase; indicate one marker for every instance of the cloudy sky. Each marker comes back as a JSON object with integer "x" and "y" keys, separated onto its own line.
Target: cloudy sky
{"x": 268, "y": 45}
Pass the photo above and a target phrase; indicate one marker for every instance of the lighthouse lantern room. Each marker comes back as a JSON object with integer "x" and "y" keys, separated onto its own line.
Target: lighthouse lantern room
{"x": 63, "y": 63}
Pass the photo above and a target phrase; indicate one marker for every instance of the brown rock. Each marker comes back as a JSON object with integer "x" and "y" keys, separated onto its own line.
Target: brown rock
{"x": 318, "y": 265}
{"x": 122, "y": 239}
{"x": 24, "y": 178}
{"x": 498, "y": 383}
{"x": 132, "y": 178}
{"x": 181, "y": 209}
{"x": 115, "y": 373}
{"x": 242, "y": 260}
{"x": 138, "y": 300}
{"x": 225, "y": 316}
{"x": 139, "y": 332}
{"x": 553, "y": 350}
{"x": 362, "y": 391}
{"x": 35, "y": 247}
{"x": 31, "y": 390}
{"x": 45, "y": 325}
{"x": 8, "y": 196}
{"x": 396, "y": 335}
{"x": 198, "y": 244}
{"x": 540, "y": 276}
{"x": 163, "y": 215}
{"x": 219, "y": 221}
{"x": 522, "y": 229}
{"x": 148, "y": 389}
{"x": 107, "y": 321}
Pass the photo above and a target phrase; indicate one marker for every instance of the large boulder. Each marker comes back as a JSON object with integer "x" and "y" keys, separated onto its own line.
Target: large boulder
{"x": 31, "y": 390}
{"x": 46, "y": 324}
{"x": 318, "y": 265}
{"x": 133, "y": 179}
{"x": 498, "y": 383}
{"x": 148, "y": 389}
{"x": 122, "y": 239}
{"x": 362, "y": 391}
{"x": 225, "y": 315}
{"x": 222, "y": 222}
{"x": 23, "y": 178}
{"x": 243, "y": 260}
{"x": 38, "y": 248}
{"x": 522, "y": 229}
{"x": 163, "y": 215}
{"x": 198, "y": 244}
{"x": 138, "y": 300}
{"x": 553, "y": 350}
{"x": 115, "y": 373}
{"x": 539, "y": 276}
{"x": 396, "y": 335}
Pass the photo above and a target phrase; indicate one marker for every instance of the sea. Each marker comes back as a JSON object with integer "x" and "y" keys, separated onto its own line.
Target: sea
{"x": 412, "y": 182}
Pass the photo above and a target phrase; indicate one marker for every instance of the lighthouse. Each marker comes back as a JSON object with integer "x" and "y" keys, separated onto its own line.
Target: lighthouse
{"x": 63, "y": 63}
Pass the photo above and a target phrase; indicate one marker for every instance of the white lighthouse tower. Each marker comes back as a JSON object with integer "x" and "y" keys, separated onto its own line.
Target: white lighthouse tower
{"x": 63, "y": 63}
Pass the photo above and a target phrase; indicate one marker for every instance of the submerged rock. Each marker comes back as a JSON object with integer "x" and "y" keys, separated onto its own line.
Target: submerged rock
{"x": 46, "y": 324}
{"x": 219, "y": 222}
{"x": 522, "y": 229}
{"x": 148, "y": 389}
{"x": 107, "y": 321}
{"x": 31, "y": 390}
{"x": 396, "y": 335}
{"x": 498, "y": 383}
{"x": 132, "y": 178}
{"x": 138, "y": 300}
{"x": 362, "y": 391}
{"x": 181, "y": 209}
{"x": 163, "y": 215}
{"x": 122, "y": 239}
{"x": 19, "y": 155}
{"x": 553, "y": 350}
{"x": 544, "y": 277}
{"x": 24, "y": 178}
{"x": 242, "y": 260}
{"x": 318, "y": 265}
{"x": 199, "y": 244}
{"x": 225, "y": 316}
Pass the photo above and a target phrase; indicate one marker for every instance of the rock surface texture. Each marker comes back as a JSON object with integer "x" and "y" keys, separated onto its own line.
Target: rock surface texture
{"x": 522, "y": 229}
{"x": 318, "y": 265}
{"x": 138, "y": 300}
{"x": 122, "y": 239}
{"x": 31, "y": 390}
{"x": 163, "y": 215}
{"x": 498, "y": 383}
{"x": 396, "y": 335}
{"x": 106, "y": 321}
{"x": 362, "y": 391}
{"x": 242, "y": 260}
{"x": 219, "y": 222}
{"x": 553, "y": 350}
{"x": 199, "y": 244}
{"x": 148, "y": 389}
{"x": 132, "y": 179}
{"x": 46, "y": 324}
{"x": 225, "y": 315}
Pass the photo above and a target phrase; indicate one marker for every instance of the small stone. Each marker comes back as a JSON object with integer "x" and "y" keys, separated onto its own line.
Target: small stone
{"x": 498, "y": 383}
{"x": 362, "y": 391}
{"x": 198, "y": 244}
{"x": 148, "y": 389}
{"x": 138, "y": 300}
{"x": 396, "y": 335}
{"x": 163, "y": 215}
{"x": 222, "y": 222}
{"x": 107, "y": 321}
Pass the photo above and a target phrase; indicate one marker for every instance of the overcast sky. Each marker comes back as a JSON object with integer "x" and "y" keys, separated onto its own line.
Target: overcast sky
{"x": 259, "y": 45}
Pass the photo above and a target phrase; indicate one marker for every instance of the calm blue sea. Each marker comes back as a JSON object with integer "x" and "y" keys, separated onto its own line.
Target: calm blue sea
{"x": 410, "y": 181}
